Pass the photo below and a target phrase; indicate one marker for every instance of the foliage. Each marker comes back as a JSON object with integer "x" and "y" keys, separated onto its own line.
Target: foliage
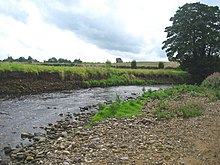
{"x": 126, "y": 109}
{"x": 182, "y": 100}
{"x": 77, "y": 61}
{"x": 20, "y": 59}
{"x": 160, "y": 65}
{"x": 186, "y": 109}
{"x": 212, "y": 81}
{"x": 119, "y": 60}
{"x": 179, "y": 101}
{"x": 133, "y": 64}
{"x": 108, "y": 64}
{"x": 193, "y": 39}
{"x": 95, "y": 76}
{"x": 190, "y": 109}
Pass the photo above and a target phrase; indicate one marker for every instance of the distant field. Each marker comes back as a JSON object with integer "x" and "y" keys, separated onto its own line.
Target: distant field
{"x": 139, "y": 64}
{"x": 85, "y": 68}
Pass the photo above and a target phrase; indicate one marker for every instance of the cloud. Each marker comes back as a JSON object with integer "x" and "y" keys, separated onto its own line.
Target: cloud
{"x": 13, "y": 9}
{"x": 104, "y": 31}
{"x": 94, "y": 30}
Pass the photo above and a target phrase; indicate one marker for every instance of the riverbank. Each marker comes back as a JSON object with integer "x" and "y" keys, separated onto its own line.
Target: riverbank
{"x": 23, "y": 79}
{"x": 144, "y": 139}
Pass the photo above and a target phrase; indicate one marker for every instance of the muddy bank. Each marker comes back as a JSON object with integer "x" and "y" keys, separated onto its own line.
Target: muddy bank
{"x": 16, "y": 83}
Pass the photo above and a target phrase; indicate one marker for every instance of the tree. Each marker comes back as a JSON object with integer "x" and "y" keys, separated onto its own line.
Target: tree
{"x": 133, "y": 64}
{"x": 108, "y": 64}
{"x": 193, "y": 40}
{"x": 21, "y": 59}
{"x": 9, "y": 59}
{"x": 119, "y": 60}
{"x": 52, "y": 60}
{"x": 77, "y": 61}
{"x": 161, "y": 65}
{"x": 30, "y": 59}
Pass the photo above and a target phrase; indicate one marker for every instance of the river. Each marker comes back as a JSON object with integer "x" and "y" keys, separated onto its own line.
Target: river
{"x": 31, "y": 113}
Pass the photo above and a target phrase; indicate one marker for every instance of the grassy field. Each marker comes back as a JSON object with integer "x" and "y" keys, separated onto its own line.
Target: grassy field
{"x": 102, "y": 76}
{"x": 83, "y": 70}
{"x": 139, "y": 64}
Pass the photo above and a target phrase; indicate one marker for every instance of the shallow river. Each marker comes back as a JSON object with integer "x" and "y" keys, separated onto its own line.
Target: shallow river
{"x": 29, "y": 113}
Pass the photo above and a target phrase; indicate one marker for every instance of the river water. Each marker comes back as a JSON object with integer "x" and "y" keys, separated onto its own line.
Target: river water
{"x": 30, "y": 113}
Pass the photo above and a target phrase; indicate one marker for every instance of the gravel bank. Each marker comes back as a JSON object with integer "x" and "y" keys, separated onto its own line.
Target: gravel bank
{"x": 141, "y": 140}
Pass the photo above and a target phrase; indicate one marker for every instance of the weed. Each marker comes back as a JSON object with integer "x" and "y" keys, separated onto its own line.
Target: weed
{"x": 190, "y": 109}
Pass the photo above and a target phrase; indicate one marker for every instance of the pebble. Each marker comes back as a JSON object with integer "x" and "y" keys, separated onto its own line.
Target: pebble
{"x": 114, "y": 140}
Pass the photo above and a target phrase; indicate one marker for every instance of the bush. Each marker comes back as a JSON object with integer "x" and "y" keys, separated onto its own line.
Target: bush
{"x": 133, "y": 64}
{"x": 161, "y": 65}
{"x": 212, "y": 81}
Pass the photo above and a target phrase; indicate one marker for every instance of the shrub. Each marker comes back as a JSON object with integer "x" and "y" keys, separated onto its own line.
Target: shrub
{"x": 212, "y": 81}
{"x": 133, "y": 64}
{"x": 161, "y": 65}
{"x": 108, "y": 64}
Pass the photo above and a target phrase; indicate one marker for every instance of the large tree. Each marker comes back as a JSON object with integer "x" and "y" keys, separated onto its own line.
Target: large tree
{"x": 193, "y": 39}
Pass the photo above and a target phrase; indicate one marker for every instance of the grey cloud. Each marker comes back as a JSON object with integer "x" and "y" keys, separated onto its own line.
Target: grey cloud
{"x": 106, "y": 32}
{"x": 12, "y": 9}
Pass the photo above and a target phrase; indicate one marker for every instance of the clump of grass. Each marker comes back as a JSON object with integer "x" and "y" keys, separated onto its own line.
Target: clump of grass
{"x": 212, "y": 81}
{"x": 126, "y": 109}
{"x": 190, "y": 109}
{"x": 164, "y": 109}
{"x": 173, "y": 102}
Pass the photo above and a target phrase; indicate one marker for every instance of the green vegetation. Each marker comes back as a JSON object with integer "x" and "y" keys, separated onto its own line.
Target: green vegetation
{"x": 126, "y": 109}
{"x": 140, "y": 65}
{"x": 180, "y": 101}
{"x": 212, "y": 81}
{"x": 133, "y": 64}
{"x": 193, "y": 39}
{"x": 160, "y": 65}
{"x": 92, "y": 76}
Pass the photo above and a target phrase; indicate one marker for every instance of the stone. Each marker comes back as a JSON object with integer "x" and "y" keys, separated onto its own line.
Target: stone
{"x": 20, "y": 155}
{"x": 42, "y": 139}
{"x": 7, "y": 150}
{"x": 66, "y": 152}
{"x": 25, "y": 135}
{"x": 64, "y": 134}
{"x": 124, "y": 158}
{"x": 145, "y": 121}
{"x": 29, "y": 158}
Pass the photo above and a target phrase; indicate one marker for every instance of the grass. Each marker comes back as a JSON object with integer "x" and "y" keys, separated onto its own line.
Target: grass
{"x": 126, "y": 109}
{"x": 180, "y": 101}
{"x": 139, "y": 64}
{"x": 92, "y": 76}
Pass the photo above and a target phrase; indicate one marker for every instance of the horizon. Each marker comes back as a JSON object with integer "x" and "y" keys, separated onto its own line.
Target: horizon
{"x": 94, "y": 31}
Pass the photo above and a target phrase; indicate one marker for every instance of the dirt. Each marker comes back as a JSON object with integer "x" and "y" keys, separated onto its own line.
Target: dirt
{"x": 204, "y": 137}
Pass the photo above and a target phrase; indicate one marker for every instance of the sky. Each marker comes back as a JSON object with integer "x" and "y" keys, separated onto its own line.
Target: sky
{"x": 90, "y": 30}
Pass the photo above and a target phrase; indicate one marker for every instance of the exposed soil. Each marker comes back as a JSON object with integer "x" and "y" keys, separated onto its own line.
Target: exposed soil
{"x": 16, "y": 83}
{"x": 141, "y": 140}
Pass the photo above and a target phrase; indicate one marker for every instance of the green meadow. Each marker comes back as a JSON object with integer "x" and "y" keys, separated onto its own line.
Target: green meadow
{"x": 104, "y": 76}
